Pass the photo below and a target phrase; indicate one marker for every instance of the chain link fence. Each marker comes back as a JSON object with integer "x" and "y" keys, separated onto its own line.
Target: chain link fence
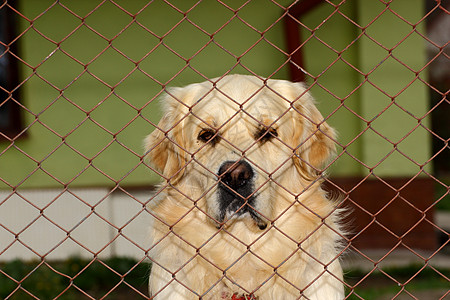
{"x": 80, "y": 83}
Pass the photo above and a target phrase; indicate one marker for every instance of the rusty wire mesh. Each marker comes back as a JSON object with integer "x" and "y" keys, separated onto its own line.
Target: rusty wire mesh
{"x": 140, "y": 121}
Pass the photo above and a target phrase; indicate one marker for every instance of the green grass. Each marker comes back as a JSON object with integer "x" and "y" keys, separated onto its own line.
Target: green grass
{"x": 19, "y": 280}
{"x": 390, "y": 281}
{"x": 67, "y": 279}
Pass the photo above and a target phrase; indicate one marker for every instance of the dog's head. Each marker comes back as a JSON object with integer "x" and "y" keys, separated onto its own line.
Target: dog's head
{"x": 239, "y": 139}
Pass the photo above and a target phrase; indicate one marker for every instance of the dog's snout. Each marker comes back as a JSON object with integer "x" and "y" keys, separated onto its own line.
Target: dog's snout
{"x": 235, "y": 173}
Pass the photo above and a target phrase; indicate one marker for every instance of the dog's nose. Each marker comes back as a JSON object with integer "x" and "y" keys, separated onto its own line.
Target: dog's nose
{"x": 235, "y": 174}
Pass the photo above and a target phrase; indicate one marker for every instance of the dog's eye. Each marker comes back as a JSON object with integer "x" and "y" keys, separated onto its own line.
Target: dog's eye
{"x": 208, "y": 135}
{"x": 264, "y": 134}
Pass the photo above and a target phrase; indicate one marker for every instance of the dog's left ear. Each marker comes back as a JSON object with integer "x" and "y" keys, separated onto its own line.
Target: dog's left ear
{"x": 313, "y": 140}
{"x": 164, "y": 147}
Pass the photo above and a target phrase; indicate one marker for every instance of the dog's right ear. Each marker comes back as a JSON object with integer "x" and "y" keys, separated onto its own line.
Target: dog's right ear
{"x": 312, "y": 140}
{"x": 164, "y": 147}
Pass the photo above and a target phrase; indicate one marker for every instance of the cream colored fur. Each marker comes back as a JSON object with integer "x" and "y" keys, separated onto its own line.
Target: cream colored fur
{"x": 296, "y": 256}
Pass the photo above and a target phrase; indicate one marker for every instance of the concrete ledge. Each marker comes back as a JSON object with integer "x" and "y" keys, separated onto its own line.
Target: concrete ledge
{"x": 367, "y": 260}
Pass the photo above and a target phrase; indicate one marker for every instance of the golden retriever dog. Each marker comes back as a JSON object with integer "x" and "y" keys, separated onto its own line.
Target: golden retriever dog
{"x": 242, "y": 214}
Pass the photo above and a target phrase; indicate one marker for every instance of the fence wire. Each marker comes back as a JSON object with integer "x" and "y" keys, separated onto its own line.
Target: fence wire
{"x": 82, "y": 95}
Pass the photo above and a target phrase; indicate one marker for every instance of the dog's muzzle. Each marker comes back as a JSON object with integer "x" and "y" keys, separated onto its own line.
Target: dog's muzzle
{"x": 236, "y": 191}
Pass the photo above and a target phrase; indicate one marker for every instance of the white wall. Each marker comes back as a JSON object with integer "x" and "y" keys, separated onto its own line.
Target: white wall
{"x": 77, "y": 222}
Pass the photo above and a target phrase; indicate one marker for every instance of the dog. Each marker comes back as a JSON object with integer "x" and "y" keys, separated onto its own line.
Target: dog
{"x": 241, "y": 214}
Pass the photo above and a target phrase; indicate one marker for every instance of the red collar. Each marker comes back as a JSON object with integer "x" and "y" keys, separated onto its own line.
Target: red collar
{"x": 244, "y": 297}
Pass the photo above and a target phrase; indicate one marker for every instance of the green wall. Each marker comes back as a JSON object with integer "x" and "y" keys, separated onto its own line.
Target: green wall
{"x": 393, "y": 85}
{"x": 381, "y": 117}
{"x": 91, "y": 80}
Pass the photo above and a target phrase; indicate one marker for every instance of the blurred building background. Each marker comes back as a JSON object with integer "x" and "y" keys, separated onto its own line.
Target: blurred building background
{"x": 81, "y": 79}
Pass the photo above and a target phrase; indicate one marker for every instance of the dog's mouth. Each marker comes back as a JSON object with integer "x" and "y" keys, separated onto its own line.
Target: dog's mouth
{"x": 243, "y": 211}
{"x": 236, "y": 193}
